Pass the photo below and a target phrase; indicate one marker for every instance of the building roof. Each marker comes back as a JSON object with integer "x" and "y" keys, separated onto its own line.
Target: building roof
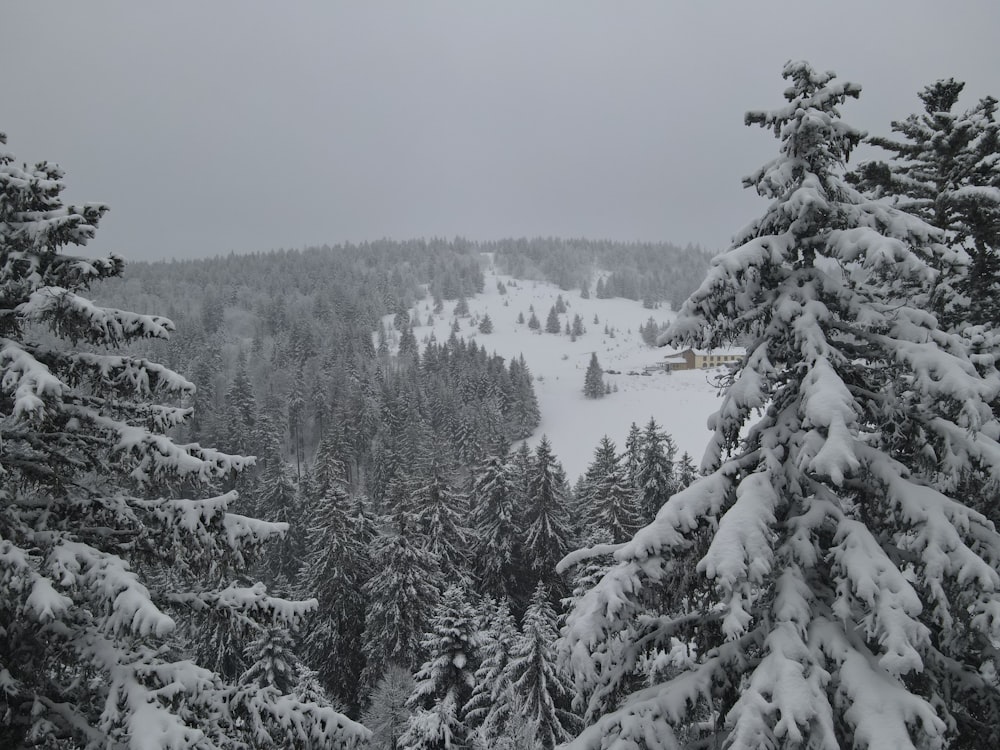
{"x": 733, "y": 351}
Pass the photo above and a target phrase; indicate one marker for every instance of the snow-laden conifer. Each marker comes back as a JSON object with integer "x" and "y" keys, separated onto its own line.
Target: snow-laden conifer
{"x": 552, "y": 324}
{"x": 445, "y": 681}
{"x": 387, "y": 712}
{"x": 490, "y": 710}
{"x": 497, "y": 530}
{"x": 272, "y": 660}
{"x": 441, "y": 510}
{"x": 655, "y": 472}
{"x": 402, "y": 594}
{"x": 632, "y": 457}
{"x": 548, "y": 533}
{"x": 946, "y": 170}
{"x": 336, "y": 569}
{"x": 97, "y": 567}
{"x": 593, "y": 381}
{"x": 608, "y": 501}
{"x": 541, "y": 692}
{"x": 852, "y": 599}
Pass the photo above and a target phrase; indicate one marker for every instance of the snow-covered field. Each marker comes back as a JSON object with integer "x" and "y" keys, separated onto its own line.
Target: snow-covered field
{"x": 680, "y": 402}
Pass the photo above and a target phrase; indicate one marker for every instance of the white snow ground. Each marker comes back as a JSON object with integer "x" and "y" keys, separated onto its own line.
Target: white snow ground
{"x": 680, "y": 402}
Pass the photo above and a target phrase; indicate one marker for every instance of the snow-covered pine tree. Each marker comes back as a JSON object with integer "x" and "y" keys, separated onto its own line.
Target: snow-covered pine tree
{"x": 548, "y": 532}
{"x": 612, "y": 515}
{"x": 685, "y": 471}
{"x": 97, "y": 568}
{"x": 387, "y": 712}
{"x": 275, "y": 497}
{"x": 272, "y": 661}
{"x": 541, "y": 692}
{"x": 440, "y": 513}
{"x": 525, "y": 414}
{"x": 593, "y": 379}
{"x": 297, "y": 419}
{"x": 496, "y": 554}
{"x": 632, "y": 458}
{"x": 402, "y": 594}
{"x": 486, "y": 324}
{"x": 445, "y": 681}
{"x": 278, "y": 499}
{"x": 856, "y": 598}
{"x": 490, "y": 710}
{"x": 336, "y": 570}
{"x": 241, "y": 409}
{"x": 946, "y": 170}
{"x": 552, "y": 321}
{"x": 655, "y": 476}
{"x": 408, "y": 346}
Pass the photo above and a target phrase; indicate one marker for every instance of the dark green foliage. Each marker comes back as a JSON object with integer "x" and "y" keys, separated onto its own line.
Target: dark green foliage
{"x": 489, "y": 710}
{"x": 497, "y": 531}
{"x": 441, "y": 514}
{"x": 608, "y": 501}
{"x": 655, "y": 477}
{"x": 408, "y": 343}
{"x": 445, "y": 681}
{"x": 272, "y": 661}
{"x": 593, "y": 381}
{"x": 552, "y": 324}
{"x": 402, "y": 596}
{"x": 336, "y": 569}
{"x": 945, "y": 169}
{"x": 548, "y": 531}
{"x": 685, "y": 471}
{"x": 541, "y": 692}
{"x": 387, "y": 713}
{"x": 656, "y": 271}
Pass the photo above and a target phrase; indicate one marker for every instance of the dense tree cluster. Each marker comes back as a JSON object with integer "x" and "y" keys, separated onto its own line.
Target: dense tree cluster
{"x": 652, "y": 272}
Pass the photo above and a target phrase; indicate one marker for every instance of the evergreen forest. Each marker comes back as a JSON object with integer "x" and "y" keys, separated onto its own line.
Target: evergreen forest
{"x": 245, "y": 506}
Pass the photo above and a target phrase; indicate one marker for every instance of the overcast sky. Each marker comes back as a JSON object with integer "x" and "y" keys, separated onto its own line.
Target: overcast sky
{"x": 212, "y": 127}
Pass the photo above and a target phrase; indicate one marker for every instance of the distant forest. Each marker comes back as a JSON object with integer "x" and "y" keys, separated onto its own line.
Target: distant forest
{"x": 393, "y": 465}
{"x": 295, "y": 328}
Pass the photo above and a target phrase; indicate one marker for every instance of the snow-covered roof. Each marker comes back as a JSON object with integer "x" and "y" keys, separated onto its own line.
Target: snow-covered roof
{"x": 733, "y": 351}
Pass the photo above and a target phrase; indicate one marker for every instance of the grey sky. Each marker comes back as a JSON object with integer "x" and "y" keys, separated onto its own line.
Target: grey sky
{"x": 244, "y": 126}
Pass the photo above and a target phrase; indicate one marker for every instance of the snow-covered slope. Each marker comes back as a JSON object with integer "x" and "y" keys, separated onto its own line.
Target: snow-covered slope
{"x": 680, "y": 402}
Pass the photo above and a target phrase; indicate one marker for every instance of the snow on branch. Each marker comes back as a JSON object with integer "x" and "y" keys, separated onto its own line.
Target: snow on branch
{"x": 249, "y": 600}
{"x": 29, "y": 382}
{"x": 77, "y": 318}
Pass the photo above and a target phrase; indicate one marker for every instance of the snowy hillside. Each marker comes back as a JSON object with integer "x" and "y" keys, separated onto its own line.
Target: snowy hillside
{"x": 680, "y": 402}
